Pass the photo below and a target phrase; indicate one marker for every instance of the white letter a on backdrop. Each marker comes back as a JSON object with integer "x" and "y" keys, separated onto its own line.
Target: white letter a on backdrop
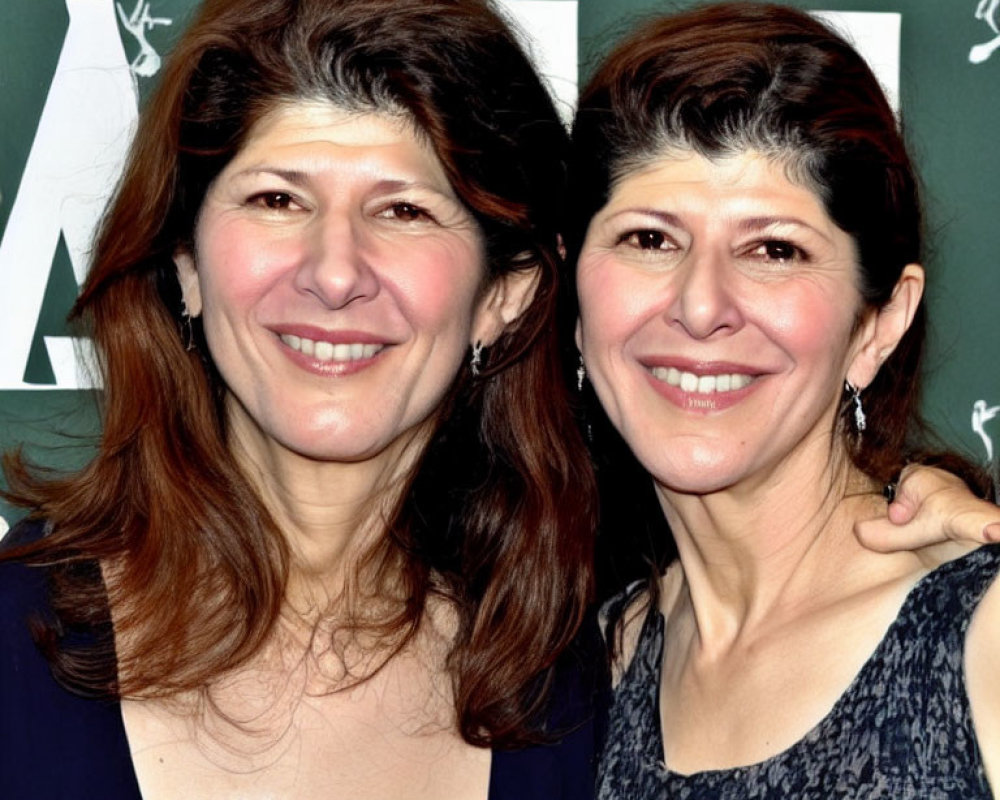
{"x": 72, "y": 167}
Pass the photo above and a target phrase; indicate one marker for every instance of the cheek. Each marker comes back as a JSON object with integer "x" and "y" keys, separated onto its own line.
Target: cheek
{"x": 615, "y": 302}
{"x": 236, "y": 268}
{"x": 810, "y": 322}
{"x": 437, "y": 285}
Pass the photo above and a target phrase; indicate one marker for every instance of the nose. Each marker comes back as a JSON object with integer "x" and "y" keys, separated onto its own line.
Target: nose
{"x": 336, "y": 265}
{"x": 705, "y": 302}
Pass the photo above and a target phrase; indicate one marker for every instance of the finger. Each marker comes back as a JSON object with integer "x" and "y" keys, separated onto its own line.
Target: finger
{"x": 927, "y": 492}
{"x": 979, "y": 522}
{"x": 885, "y": 536}
{"x": 902, "y": 510}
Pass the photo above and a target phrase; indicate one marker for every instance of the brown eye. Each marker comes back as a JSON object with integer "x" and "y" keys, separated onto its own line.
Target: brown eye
{"x": 275, "y": 201}
{"x": 778, "y": 250}
{"x": 645, "y": 240}
{"x": 407, "y": 212}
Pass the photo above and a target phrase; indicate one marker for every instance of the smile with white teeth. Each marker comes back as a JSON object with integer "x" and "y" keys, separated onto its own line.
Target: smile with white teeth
{"x": 701, "y": 384}
{"x": 327, "y": 351}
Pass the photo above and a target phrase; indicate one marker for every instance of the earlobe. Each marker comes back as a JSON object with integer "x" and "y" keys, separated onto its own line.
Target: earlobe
{"x": 187, "y": 277}
{"x": 503, "y": 304}
{"x": 887, "y": 326}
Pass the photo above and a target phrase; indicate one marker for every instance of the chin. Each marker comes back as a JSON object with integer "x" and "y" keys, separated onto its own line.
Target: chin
{"x": 695, "y": 473}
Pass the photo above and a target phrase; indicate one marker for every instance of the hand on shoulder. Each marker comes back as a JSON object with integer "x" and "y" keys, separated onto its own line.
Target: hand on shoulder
{"x": 932, "y": 509}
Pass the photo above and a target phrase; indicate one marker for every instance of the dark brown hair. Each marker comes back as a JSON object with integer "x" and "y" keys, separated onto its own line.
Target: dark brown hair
{"x": 200, "y": 567}
{"x": 732, "y": 77}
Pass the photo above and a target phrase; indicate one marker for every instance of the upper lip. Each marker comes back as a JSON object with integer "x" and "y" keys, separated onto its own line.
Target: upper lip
{"x": 700, "y": 367}
{"x": 317, "y": 334}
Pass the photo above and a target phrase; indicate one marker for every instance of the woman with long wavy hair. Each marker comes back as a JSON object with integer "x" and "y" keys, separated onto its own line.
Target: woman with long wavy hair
{"x": 320, "y": 550}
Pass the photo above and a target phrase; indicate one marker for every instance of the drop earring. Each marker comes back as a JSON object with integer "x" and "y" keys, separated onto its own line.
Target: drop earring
{"x": 187, "y": 329}
{"x": 860, "y": 421}
{"x": 477, "y": 358}
{"x": 581, "y": 374}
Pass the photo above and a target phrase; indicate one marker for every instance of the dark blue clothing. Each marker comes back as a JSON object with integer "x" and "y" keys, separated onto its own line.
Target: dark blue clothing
{"x": 902, "y": 730}
{"x": 55, "y": 745}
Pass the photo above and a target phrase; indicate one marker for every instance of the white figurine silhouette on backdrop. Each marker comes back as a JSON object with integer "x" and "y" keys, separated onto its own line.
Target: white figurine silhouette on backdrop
{"x": 987, "y": 11}
{"x": 980, "y": 416}
{"x": 147, "y": 63}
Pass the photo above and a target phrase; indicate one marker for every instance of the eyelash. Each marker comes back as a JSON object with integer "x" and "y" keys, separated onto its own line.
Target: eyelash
{"x": 649, "y": 239}
{"x": 797, "y": 253}
{"x": 392, "y": 210}
{"x": 266, "y": 200}
{"x": 635, "y": 239}
{"x": 401, "y": 210}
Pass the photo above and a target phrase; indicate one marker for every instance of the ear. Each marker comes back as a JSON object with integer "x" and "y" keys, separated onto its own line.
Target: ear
{"x": 882, "y": 330}
{"x": 187, "y": 277}
{"x": 503, "y": 303}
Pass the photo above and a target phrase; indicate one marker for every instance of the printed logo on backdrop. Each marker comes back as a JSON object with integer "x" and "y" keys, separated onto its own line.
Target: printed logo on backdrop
{"x": 981, "y": 414}
{"x": 989, "y": 12}
{"x": 74, "y": 161}
{"x": 76, "y": 155}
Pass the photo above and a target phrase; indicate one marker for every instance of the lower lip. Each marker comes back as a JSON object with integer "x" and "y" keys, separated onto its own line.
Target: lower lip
{"x": 698, "y": 403}
{"x": 329, "y": 368}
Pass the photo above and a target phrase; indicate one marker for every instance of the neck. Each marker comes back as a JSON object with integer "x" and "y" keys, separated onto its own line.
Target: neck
{"x": 331, "y": 513}
{"x": 755, "y": 552}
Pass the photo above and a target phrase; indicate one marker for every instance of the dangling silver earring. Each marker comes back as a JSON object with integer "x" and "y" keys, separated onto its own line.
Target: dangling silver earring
{"x": 477, "y": 358}
{"x": 860, "y": 422}
{"x": 581, "y": 374}
{"x": 187, "y": 330}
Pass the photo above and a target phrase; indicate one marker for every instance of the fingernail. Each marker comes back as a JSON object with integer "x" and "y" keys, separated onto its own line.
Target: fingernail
{"x": 991, "y": 533}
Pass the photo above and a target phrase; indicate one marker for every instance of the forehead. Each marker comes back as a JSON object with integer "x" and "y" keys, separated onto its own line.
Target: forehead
{"x": 747, "y": 178}
{"x": 318, "y": 131}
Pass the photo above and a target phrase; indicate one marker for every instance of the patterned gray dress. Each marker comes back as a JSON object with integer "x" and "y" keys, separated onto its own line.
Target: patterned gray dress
{"x": 901, "y": 730}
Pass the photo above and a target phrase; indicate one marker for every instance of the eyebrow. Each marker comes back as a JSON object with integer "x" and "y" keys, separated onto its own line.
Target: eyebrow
{"x": 663, "y": 216}
{"x": 298, "y": 177}
{"x": 293, "y": 176}
{"x": 753, "y": 224}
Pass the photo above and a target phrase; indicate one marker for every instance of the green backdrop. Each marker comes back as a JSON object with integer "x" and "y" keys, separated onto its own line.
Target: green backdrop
{"x": 951, "y": 117}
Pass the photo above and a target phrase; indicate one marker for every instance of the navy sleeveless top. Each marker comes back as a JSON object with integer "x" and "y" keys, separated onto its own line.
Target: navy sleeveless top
{"x": 56, "y": 745}
{"x": 903, "y": 728}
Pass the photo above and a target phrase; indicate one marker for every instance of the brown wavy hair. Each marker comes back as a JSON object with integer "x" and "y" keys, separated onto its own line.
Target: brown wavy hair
{"x": 200, "y": 567}
{"x": 730, "y": 77}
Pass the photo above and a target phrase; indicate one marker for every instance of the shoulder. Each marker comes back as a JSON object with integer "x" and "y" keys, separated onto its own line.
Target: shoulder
{"x": 629, "y": 619}
{"x": 621, "y": 621}
{"x": 23, "y": 588}
{"x": 24, "y": 600}
{"x": 577, "y": 710}
{"x": 982, "y": 657}
{"x": 44, "y": 724}
{"x": 27, "y": 531}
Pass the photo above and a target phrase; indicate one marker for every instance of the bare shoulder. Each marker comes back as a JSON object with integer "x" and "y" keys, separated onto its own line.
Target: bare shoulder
{"x": 982, "y": 655}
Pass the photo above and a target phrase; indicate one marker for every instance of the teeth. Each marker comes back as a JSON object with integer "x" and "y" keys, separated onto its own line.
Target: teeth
{"x": 327, "y": 351}
{"x": 701, "y": 384}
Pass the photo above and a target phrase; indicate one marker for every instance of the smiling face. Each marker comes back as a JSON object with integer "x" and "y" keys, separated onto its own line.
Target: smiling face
{"x": 339, "y": 281}
{"x": 718, "y": 304}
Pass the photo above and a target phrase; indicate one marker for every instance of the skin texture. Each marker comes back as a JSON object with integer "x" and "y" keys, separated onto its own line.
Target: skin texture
{"x": 719, "y": 269}
{"x": 728, "y": 268}
{"x": 345, "y": 227}
{"x": 340, "y": 227}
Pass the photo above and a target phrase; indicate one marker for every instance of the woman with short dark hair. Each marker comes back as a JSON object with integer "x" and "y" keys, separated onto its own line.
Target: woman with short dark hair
{"x": 749, "y": 243}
